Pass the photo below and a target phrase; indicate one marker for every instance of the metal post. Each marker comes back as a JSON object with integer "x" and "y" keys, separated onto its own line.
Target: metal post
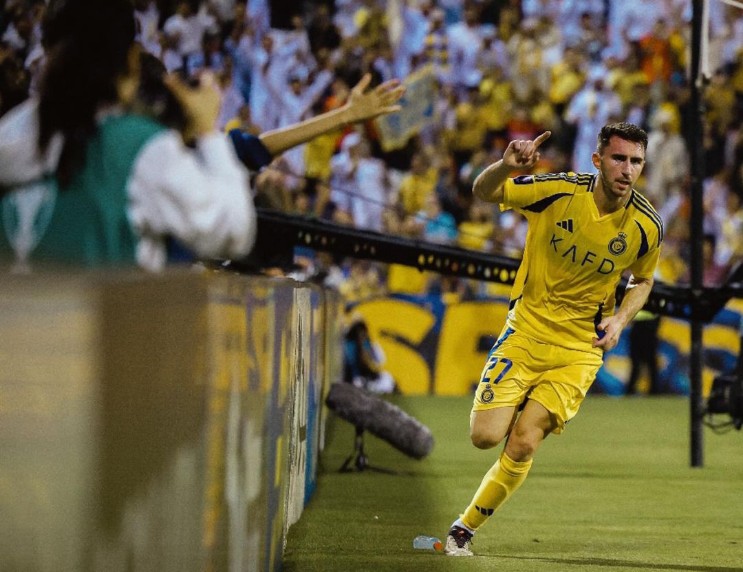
{"x": 695, "y": 145}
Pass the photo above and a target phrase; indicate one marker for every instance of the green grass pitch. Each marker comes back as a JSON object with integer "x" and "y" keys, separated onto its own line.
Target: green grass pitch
{"x": 614, "y": 492}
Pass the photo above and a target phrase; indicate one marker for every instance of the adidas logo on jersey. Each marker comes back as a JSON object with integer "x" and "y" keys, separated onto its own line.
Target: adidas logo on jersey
{"x": 566, "y": 224}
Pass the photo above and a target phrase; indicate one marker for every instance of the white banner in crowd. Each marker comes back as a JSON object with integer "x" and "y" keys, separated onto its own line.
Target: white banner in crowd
{"x": 417, "y": 111}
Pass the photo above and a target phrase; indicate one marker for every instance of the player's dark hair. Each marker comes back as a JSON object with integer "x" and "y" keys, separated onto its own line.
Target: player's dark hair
{"x": 623, "y": 130}
{"x": 87, "y": 44}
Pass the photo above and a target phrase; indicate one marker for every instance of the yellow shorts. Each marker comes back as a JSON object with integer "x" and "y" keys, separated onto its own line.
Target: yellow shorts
{"x": 520, "y": 367}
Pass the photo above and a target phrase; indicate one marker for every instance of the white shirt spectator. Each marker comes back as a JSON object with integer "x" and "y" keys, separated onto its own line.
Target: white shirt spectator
{"x": 188, "y": 31}
{"x": 589, "y": 110}
{"x": 202, "y": 198}
{"x": 465, "y": 43}
{"x": 148, "y": 33}
{"x": 633, "y": 19}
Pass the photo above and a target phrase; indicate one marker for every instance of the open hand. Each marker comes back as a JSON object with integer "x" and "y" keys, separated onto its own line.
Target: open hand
{"x": 383, "y": 99}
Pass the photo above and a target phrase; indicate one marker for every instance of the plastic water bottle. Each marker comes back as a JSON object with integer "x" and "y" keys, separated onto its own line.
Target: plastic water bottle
{"x": 427, "y": 543}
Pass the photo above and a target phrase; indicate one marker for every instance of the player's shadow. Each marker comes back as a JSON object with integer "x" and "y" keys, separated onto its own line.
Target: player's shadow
{"x": 598, "y": 562}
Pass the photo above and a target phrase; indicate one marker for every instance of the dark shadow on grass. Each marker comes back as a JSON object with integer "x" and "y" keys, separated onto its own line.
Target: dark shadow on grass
{"x": 598, "y": 562}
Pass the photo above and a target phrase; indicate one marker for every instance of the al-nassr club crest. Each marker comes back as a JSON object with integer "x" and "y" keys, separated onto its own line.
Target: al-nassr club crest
{"x": 618, "y": 244}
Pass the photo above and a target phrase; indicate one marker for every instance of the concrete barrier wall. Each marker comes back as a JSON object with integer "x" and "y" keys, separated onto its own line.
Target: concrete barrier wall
{"x": 159, "y": 423}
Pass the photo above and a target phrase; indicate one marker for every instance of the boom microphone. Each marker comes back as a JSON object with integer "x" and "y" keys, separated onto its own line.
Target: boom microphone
{"x": 381, "y": 418}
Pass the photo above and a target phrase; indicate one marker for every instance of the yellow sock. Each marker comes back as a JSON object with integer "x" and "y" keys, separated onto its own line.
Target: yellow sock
{"x": 499, "y": 483}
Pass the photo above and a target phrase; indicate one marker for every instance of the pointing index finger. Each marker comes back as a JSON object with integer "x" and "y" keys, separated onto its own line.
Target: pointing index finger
{"x": 542, "y": 138}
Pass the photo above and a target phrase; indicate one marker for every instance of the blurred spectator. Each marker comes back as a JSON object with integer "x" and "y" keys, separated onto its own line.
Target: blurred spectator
{"x": 496, "y": 94}
{"x": 437, "y": 225}
{"x": 667, "y": 160}
{"x": 121, "y": 182}
{"x": 360, "y": 183}
{"x": 730, "y": 246}
{"x": 465, "y": 40}
{"x": 468, "y": 135}
{"x": 529, "y": 69}
{"x": 631, "y": 20}
{"x": 322, "y": 32}
{"x": 14, "y": 80}
{"x": 713, "y": 273}
{"x": 656, "y": 53}
{"x": 436, "y": 46}
{"x": 363, "y": 360}
{"x": 294, "y": 100}
{"x": 147, "y": 16}
{"x": 643, "y": 352}
{"x": 589, "y": 39}
{"x": 417, "y": 184}
{"x": 592, "y": 107}
{"x": 208, "y": 57}
{"x": 364, "y": 282}
{"x": 476, "y": 231}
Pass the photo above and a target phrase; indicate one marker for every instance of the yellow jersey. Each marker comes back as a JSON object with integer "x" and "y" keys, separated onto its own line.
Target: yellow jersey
{"x": 573, "y": 257}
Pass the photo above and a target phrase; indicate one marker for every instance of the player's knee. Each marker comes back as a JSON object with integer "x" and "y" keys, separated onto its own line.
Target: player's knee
{"x": 485, "y": 439}
{"x": 522, "y": 445}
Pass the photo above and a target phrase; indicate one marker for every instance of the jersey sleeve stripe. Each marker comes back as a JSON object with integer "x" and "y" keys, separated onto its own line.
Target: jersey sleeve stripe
{"x": 644, "y": 241}
{"x": 542, "y": 204}
{"x": 581, "y": 179}
{"x": 651, "y": 214}
{"x": 640, "y": 200}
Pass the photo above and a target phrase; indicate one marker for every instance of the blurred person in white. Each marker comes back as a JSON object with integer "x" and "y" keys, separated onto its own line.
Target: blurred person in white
{"x": 630, "y": 20}
{"x": 210, "y": 56}
{"x": 342, "y": 178}
{"x": 566, "y": 14}
{"x": 493, "y": 53}
{"x": 465, "y": 43}
{"x": 86, "y": 182}
{"x": 730, "y": 246}
{"x": 188, "y": 25}
{"x": 414, "y": 26}
{"x": 294, "y": 95}
{"x": 147, "y": 16}
{"x": 716, "y": 188}
{"x": 20, "y": 34}
{"x": 668, "y": 163}
{"x": 593, "y": 106}
{"x": 360, "y": 183}
{"x": 257, "y": 54}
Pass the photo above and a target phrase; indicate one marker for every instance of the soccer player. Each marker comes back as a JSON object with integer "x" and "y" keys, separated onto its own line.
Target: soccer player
{"x": 585, "y": 231}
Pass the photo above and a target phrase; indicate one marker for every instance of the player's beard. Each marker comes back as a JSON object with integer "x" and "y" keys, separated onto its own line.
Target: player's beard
{"x": 607, "y": 186}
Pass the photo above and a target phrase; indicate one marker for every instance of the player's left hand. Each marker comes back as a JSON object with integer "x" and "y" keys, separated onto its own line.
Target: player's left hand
{"x": 611, "y": 327}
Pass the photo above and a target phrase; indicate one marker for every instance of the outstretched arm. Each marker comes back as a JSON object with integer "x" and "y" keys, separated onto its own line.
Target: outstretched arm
{"x": 519, "y": 154}
{"x": 361, "y": 105}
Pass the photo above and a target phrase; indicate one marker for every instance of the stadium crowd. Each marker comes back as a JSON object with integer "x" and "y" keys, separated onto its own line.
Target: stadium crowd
{"x": 502, "y": 70}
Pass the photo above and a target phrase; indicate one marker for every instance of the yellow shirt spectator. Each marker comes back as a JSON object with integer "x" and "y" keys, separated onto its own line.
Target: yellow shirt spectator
{"x": 417, "y": 184}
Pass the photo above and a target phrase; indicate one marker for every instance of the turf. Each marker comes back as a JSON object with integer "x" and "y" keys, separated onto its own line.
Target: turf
{"x": 614, "y": 492}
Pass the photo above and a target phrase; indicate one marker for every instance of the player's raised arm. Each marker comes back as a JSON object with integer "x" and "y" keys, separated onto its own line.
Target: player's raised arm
{"x": 520, "y": 154}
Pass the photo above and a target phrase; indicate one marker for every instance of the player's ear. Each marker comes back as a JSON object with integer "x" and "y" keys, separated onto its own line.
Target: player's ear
{"x": 596, "y": 159}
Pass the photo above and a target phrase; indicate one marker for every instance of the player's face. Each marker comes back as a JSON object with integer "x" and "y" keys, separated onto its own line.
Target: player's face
{"x": 619, "y": 165}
